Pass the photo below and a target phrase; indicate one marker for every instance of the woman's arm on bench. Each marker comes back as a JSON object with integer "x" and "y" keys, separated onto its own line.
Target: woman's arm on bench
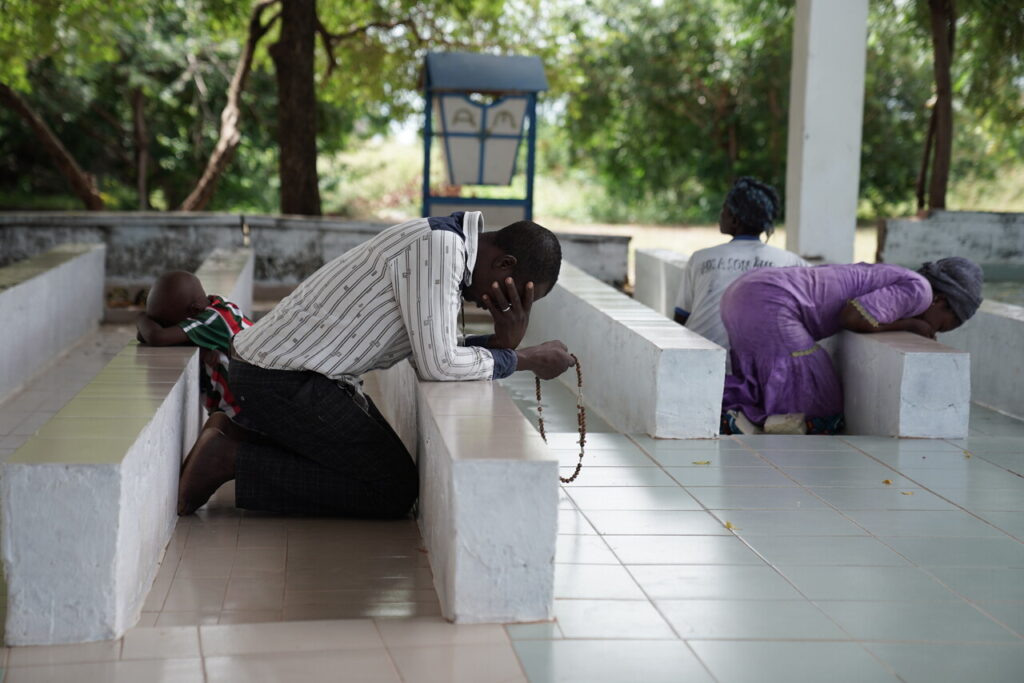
{"x": 851, "y": 318}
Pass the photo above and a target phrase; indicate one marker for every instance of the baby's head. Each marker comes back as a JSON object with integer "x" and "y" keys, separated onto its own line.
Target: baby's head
{"x": 175, "y": 295}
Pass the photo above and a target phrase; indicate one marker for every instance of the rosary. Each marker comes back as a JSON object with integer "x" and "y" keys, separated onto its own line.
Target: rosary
{"x": 581, "y": 419}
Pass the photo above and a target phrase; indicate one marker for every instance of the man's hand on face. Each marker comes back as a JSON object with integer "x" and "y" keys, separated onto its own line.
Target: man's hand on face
{"x": 511, "y": 314}
{"x": 547, "y": 360}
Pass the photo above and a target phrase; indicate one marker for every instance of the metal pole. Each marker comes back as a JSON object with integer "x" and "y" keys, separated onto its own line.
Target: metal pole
{"x": 427, "y": 138}
{"x": 530, "y": 156}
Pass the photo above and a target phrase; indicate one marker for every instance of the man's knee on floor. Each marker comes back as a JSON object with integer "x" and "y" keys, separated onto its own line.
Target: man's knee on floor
{"x": 399, "y": 495}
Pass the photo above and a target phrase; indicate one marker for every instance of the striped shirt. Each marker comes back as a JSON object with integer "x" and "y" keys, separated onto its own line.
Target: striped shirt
{"x": 395, "y": 296}
{"x": 212, "y": 330}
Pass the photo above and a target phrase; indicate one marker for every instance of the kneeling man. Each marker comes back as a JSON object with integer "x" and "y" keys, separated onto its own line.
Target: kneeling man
{"x": 316, "y": 444}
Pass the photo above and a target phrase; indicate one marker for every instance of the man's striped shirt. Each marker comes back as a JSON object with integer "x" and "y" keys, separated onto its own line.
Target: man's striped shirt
{"x": 392, "y": 297}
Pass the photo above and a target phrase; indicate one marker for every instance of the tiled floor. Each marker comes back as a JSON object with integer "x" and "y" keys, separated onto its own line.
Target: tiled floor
{"x": 741, "y": 559}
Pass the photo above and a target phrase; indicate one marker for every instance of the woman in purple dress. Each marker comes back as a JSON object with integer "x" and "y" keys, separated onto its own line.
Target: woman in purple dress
{"x": 776, "y": 316}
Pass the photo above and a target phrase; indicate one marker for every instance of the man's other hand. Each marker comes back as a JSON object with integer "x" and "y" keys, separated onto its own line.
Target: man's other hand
{"x": 547, "y": 360}
{"x": 511, "y": 314}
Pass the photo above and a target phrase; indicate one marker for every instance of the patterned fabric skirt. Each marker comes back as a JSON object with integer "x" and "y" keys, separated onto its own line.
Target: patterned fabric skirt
{"x": 777, "y": 365}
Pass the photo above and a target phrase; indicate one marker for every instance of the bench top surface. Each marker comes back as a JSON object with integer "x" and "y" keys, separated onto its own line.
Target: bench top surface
{"x": 1002, "y": 309}
{"x": 480, "y": 422}
{"x": 639, "y": 319}
{"x": 102, "y": 421}
{"x": 21, "y": 271}
{"x": 907, "y": 342}
{"x": 220, "y": 270}
{"x": 674, "y": 257}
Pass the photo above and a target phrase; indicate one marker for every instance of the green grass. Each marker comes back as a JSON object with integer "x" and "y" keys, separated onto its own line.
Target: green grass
{"x": 382, "y": 180}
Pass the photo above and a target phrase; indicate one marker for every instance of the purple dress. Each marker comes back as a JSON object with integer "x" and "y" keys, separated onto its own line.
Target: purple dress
{"x": 775, "y": 317}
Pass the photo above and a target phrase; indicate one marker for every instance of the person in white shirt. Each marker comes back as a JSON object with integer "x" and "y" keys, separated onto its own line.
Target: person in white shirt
{"x": 316, "y": 444}
{"x": 750, "y": 209}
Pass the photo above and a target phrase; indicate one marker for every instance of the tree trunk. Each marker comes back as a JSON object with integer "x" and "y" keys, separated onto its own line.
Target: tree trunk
{"x": 82, "y": 184}
{"x": 141, "y": 147}
{"x": 922, "y": 176}
{"x": 230, "y": 133}
{"x": 943, "y": 22}
{"x": 293, "y": 56}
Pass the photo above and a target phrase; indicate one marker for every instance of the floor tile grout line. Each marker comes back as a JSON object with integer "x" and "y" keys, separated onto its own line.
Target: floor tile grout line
{"x": 919, "y": 567}
{"x": 764, "y": 559}
{"x": 659, "y": 611}
{"x": 937, "y": 494}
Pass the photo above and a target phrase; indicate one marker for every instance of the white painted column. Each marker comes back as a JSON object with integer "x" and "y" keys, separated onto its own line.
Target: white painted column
{"x": 826, "y": 111}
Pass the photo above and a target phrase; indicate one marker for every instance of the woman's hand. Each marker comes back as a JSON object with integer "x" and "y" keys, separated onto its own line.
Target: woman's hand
{"x": 851, "y": 318}
{"x": 918, "y": 326}
{"x": 511, "y": 315}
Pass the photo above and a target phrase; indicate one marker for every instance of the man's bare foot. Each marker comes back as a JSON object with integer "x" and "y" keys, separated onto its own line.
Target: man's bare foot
{"x": 210, "y": 463}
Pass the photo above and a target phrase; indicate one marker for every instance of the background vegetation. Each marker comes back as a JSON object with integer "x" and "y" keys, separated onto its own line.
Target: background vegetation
{"x": 655, "y": 106}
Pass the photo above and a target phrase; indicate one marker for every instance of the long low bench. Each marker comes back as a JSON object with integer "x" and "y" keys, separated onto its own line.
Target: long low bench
{"x": 88, "y": 504}
{"x": 901, "y": 384}
{"x": 47, "y": 302}
{"x": 659, "y": 272}
{"x": 229, "y": 273}
{"x": 642, "y": 372}
{"x": 894, "y": 383}
{"x": 488, "y": 507}
{"x": 995, "y": 339}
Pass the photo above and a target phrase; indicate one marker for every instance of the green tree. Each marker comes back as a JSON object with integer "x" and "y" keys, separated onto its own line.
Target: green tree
{"x": 163, "y": 68}
{"x": 73, "y": 30}
{"x": 371, "y": 54}
{"x": 983, "y": 40}
{"x": 671, "y": 102}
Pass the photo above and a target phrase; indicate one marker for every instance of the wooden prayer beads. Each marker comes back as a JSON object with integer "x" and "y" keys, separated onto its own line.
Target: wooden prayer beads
{"x": 581, "y": 419}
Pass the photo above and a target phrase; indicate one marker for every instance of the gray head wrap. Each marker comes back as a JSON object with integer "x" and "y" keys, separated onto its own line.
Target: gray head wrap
{"x": 754, "y": 204}
{"x": 959, "y": 279}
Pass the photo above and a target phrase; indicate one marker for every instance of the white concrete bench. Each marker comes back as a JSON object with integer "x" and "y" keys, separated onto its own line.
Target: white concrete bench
{"x": 47, "y": 303}
{"x": 642, "y": 372}
{"x": 659, "y": 272}
{"x": 901, "y": 384}
{"x": 228, "y": 273}
{"x": 488, "y": 507}
{"x": 88, "y": 504}
{"x": 995, "y": 339}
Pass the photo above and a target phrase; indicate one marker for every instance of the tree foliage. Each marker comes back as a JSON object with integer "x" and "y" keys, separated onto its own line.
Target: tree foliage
{"x": 670, "y": 101}
{"x": 663, "y": 101}
{"x": 79, "y": 61}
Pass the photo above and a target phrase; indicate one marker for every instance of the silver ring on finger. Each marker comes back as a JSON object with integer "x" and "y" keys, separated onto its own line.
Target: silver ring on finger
{"x": 507, "y": 309}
